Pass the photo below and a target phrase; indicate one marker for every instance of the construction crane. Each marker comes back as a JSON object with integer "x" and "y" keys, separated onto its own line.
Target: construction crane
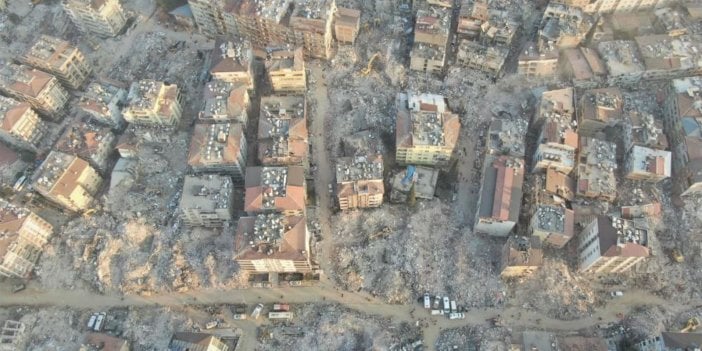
{"x": 366, "y": 71}
{"x": 691, "y": 325}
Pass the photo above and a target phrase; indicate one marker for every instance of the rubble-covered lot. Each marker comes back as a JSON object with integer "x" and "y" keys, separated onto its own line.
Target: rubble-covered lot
{"x": 334, "y": 327}
{"x": 483, "y": 338}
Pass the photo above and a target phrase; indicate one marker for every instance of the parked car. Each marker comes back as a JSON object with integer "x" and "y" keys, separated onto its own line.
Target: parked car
{"x": 617, "y": 294}
{"x": 239, "y": 316}
{"x": 457, "y": 315}
{"x": 257, "y": 311}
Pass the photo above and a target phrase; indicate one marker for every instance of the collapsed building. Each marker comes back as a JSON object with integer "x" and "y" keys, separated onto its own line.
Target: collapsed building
{"x": 104, "y": 18}
{"x": 500, "y": 196}
{"x": 559, "y": 184}
{"x": 103, "y": 102}
{"x": 225, "y": 102}
{"x": 521, "y": 256}
{"x": 507, "y": 136}
{"x": 553, "y": 224}
{"x": 644, "y": 130}
{"x": 671, "y": 341}
{"x": 20, "y": 125}
{"x": 432, "y": 34}
{"x": 233, "y": 62}
{"x": 612, "y": 245}
{"x": 41, "y": 90}
{"x": 347, "y": 21}
{"x": 207, "y": 200}
{"x": 218, "y": 148}
{"x": 489, "y": 59}
{"x": 563, "y": 27}
{"x": 61, "y": 59}
{"x": 285, "y": 70}
{"x": 153, "y": 103}
{"x": 23, "y": 235}
{"x": 68, "y": 181}
{"x": 90, "y": 142}
{"x": 12, "y": 331}
{"x": 273, "y": 242}
{"x": 623, "y": 61}
{"x": 282, "y": 130}
{"x": 597, "y": 161}
{"x": 426, "y": 131}
{"x": 415, "y": 179}
{"x": 557, "y": 141}
{"x": 359, "y": 181}
{"x": 275, "y": 189}
{"x": 12, "y": 167}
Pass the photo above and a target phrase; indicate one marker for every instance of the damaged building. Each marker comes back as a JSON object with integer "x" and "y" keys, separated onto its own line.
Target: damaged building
{"x": 282, "y": 130}
{"x": 612, "y": 245}
{"x": 347, "y": 21}
{"x": 647, "y": 164}
{"x": 553, "y": 224}
{"x": 218, "y": 148}
{"x": 207, "y": 201}
{"x": 359, "y": 181}
{"x": 90, "y": 142}
{"x": 644, "y": 130}
{"x": 153, "y": 103}
{"x": 563, "y": 27}
{"x": 233, "y": 62}
{"x": 507, "y": 136}
{"x": 225, "y": 102}
{"x": 23, "y": 235}
{"x": 500, "y": 196}
{"x": 599, "y": 109}
{"x": 557, "y": 141}
{"x": 489, "y": 59}
{"x": 185, "y": 341}
{"x": 426, "y": 131}
{"x": 521, "y": 256}
{"x": 41, "y": 90}
{"x": 432, "y": 33}
{"x": 623, "y": 61}
{"x": 534, "y": 63}
{"x": 559, "y": 184}
{"x": 273, "y": 242}
{"x": 104, "y": 18}
{"x": 103, "y": 342}
{"x": 61, "y": 59}
{"x": 597, "y": 161}
{"x": 275, "y": 189}
{"x": 582, "y": 66}
{"x": 417, "y": 179}
{"x": 103, "y": 102}
{"x": 20, "y": 125}
{"x": 285, "y": 70}
{"x": 68, "y": 181}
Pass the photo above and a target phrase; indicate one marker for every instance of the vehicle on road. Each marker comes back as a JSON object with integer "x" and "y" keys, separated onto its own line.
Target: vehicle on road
{"x": 18, "y": 287}
{"x": 447, "y": 306}
{"x": 453, "y": 306}
{"x": 437, "y": 312}
{"x": 257, "y": 311}
{"x": 239, "y": 316}
{"x": 617, "y": 294}
{"x": 296, "y": 283}
{"x": 280, "y": 315}
{"x": 427, "y": 301}
{"x": 457, "y": 315}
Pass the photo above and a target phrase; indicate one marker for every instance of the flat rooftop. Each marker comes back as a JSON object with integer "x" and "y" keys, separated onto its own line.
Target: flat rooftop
{"x": 53, "y": 51}
{"x": 560, "y": 19}
{"x": 557, "y": 104}
{"x": 554, "y": 219}
{"x": 54, "y": 166}
{"x": 603, "y": 105}
{"x": 621, "y": 57}
{"x": 285, "y": 59}
{"x": 428, "y": 51}
{"x": 150, "y": 94}
{"x": 216, "y": 144}
{"x": 657, "y": 162}
{"x": 363, "y": 167}
{"x": 207, "y": 193}
{"x": 424, "y": 119}
{"x": 98, "y": 96}
{"x": 272, "y": 236}
{"x": 229, "y": 56}
{"x": 280, "y": 188}
{"x": 24, "y": 79}
{"x": 270, "y": 10}
{"x": 433, "y": 20}
{"x": 501, "y": 197}
{"x": 423, "y": 178}
{"x": 282, "y": 127}
{"x": 585, "y": 63}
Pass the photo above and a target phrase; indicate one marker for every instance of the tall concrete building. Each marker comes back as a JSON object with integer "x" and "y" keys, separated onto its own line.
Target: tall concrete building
{"x": 275, "y": 189}
{"x": 273, "y": 242}
{"x": 104, "y": 18}
{"x": 233, "y": 62}
{"x": 536, "y": 63}
{"x": 282, "y": 131}
{"x": 207, "y": 200}
{"x": 432, "y": 33}
{"x": 153, "y": 103}
{"x": 68, "y": 181}
{"x": 60, "y": 58}
{"x": 557, "y": 141}
{"x": 40, "y": 89}
{"x": 225, "y": 102}
{"x": 612, "y": 245}
{"x": 553, "y": 224}
{"x": 19, "y": 124}
{"x": 218, "y": 148}
{"x": 285, "y": 71}
{"x": 500, "y": 197}
{"x": 23, "y": 234}
{"x": 426, "y": 130}
{"x": 359, "y": 181}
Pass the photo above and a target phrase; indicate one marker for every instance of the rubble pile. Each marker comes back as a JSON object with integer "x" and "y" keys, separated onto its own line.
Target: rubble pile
{"x": 34, "y": 21}
{"x": 485, "y": 338}
{"x": 645, "y": 321}
{"x": 333, "y": 327}
{"x": 51, "y": 329}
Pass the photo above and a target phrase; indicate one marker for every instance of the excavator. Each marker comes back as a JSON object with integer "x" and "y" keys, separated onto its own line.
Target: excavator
{"x": 366, "y": 71}
{"x": 691, "y": 325}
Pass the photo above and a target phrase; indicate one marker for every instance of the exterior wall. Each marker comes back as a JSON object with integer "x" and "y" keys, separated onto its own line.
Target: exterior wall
{"x": 24, "y": 252}
{"x": 588, "y": 247}
{"x": 423, "y": 155}
{"x": 151, "y": 116}
{"x": 106, "y": 21}
{"x": 194, "y": 217}
{"x": 288, "y": 81}
{"x": 73, "y": 73}
{"x": 27, "y": 131}
{"x": 538, "y": 68}
{"x": 495, "y": 228}
{"x": 360, "y": 201}
{"x": 421, "y": 64}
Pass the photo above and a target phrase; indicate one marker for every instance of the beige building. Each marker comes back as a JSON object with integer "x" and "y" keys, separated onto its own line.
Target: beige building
{"x": 311, "y": 22}
{"x": 67, "y": 180}
{"x": 103, "y": 18}
{"x": 153, "y": 103}
{"x": 359, "y": 181}
{"x": 218, "y": 148}
{"x": 489, "y": 59}
{"x": 557, "y": 140}
{"x": 597, "y": 161}
{"x": 432, "y": 33}
{"x": 210, "y": 18}
{"x": 273, "y": 242}
{"x": 647, "y": 164}
{"x": 608, "y": 6}
{"x": 41, "y": 90}
{"x": 612, "y": 245}
{"x": 60, "y": 58}
{"x": 347, "y": 23}
{"x": 426, "y": 130}
{"x": 23, "y": 235}
{"x": 275, "y": 189}
{"x": 521, "y": 256}
{"x": 500, "y": 197}
{"x": 207, "y": 200}
{"x": 103, "y": 102}
{"x": 533, "y": 63}
{"x": 19, "y": 124}
{"x": 553, "y": 225}
{"x": 282, "y": 130}
{"x": 285, "y": 70}
{"x": 233, "y": 62}
{"x": 599, "y": 109}
{"x": 90, "y": 142}
{"x": 196, "y": 342}
{"x": 563, "y": 27}
{"x": 583, "y": 66}
{"x": 507, "y": 136}
{"x": 225, "y": 102}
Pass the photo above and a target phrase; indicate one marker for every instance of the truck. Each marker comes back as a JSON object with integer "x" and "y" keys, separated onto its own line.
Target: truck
{"x": 427, "y": 301}
{"x": 257, "y": 311}
{"x": 281, "y": 307}
{"x": 280, "y": 315}
{"x": 447, "y": 306}
{"x": 453, "y": 306}
{"x": 99, "y": 321}
{"x": 457, "y": 316}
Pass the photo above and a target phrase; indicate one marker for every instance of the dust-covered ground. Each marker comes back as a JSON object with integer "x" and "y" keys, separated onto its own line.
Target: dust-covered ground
{"x": 482, "y": 337}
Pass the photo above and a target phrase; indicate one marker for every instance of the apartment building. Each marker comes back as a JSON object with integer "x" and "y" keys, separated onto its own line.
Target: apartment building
{"x": 68, "y": 181}
{"x": 489, "y": 59}
{"x": 101, "y": 341}
{"x": 311, "y": 23}
{"x": 534, "y": 63}
{"x": 233, "y": 62}
{"x": 597, "y": 161}
{"x": 104, "y": 18}
{"x": 273, "y": 242}
{"x": 207, "y": 200}
{"x": 669, "y": 57}
{"x": 41, "y": 90}
{"x": 647, "y": 164}
{"x": 644, "y": 130}
{"x": 282, "y": 130}
{"x": 219, "y": 148}
{"x": 415, "y": 179}
{"x": 683, "y": 125}
{"x": 599, "y": 109}
{"x": 559, "y": 184}
{"x": 225, "y": 102}
{"x": 583, "y": 66}
{"x": 359, "y": 181}
{"x": 90, "y": 142}
{"x": 426, "y": 130}
{"x": 500, "y": 197}
{"x": 103, "y": 102}
{"x": 521, "y": 256}
{"x": 275, "y": 189}
{"x": 612, "y": 245}
{"x": 347, "y": 23}
{"x": 10, "y": 166}
{"x": 153, "y": 103}
{"x": 185, "y": 341}
{"x": 563, "y": 27}
{"x": 285, "y": 71}
{"x": 60, "y": 58}
{"x": 23, "y": 235}
{"x": 609, "y": 6}
{"x": 553, "y": 224}
{"x": 210, "y": 18}
{"x": 557, "y": 140}
{"x": 432, "y": 33}
{"x": 19, "y": 124}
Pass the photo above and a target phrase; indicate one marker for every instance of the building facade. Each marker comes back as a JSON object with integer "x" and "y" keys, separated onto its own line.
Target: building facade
{"x": 60, "y": 58}
{"x": 285, "y": 71}
{"x": 359, "y": 181}
{"x": 41, "y": 90}
{"x": 153, "y": 103}
{"x": 104, "y": 18}
{"x": 103, "y": 103}
{"x": 207, "y": 201}
{"x": 500, "y": 197}
{"x": 19, "y": 124}
{"x": 68, "y": 181}
{"x": 612, "y": 245}
{"x": 521, "y": 256}
{"x": 23, "y": 235}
